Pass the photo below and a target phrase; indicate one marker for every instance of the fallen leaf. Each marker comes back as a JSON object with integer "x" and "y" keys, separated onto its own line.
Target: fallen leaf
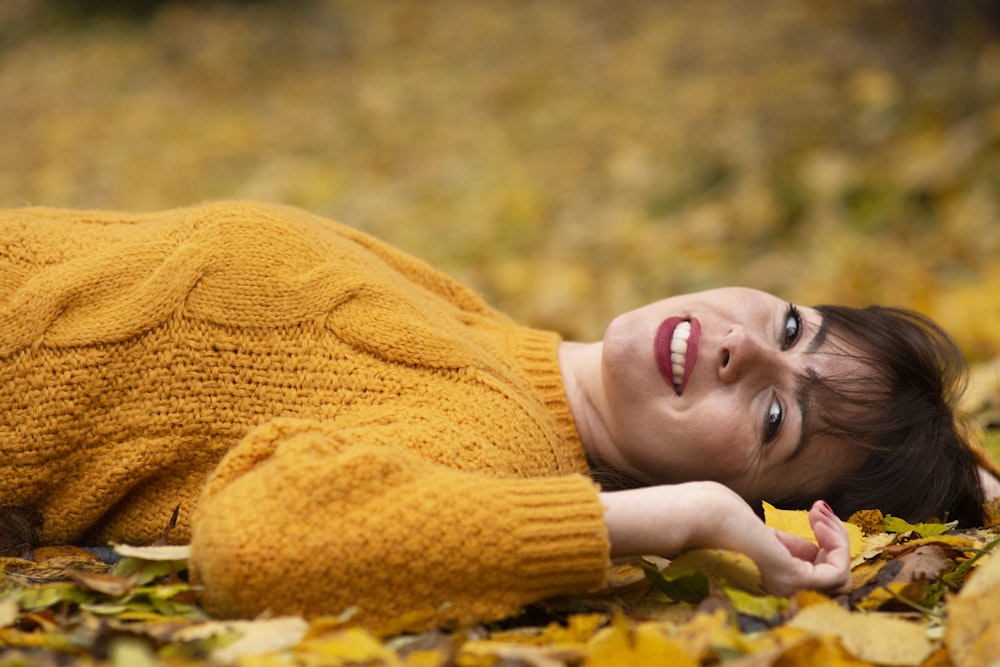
{"x": 706, "y": 632}
{"x": 723, "y": 568}
{"x": 261, "y": 636}
{"x": 927, "y": 561}
{"x": 796, "y": 522}
{"x": 63, "y": 554}
{"x": 20, "y": 530}
{"x": 488, "y": 652}
{"x": 991, "y": 508}
{"x": 896, "y": 525}
{"x": 163, "y": 552}
{"x": 875, "y": 637}
{"x": 957, "y": 544}
{"x": 691, "y": 587}
{"x": 103, "y": 583}
{"x": 766, "y": 607}
{"x": 131, "y": 652}
{"x": 624, "y": 645}
{"x": 972, "y": 631}
{"x": 349, "y": 646}
{"x": 9, "y": 609}
{"x": 869, "y": 521}
{"x": 817, "y": 651}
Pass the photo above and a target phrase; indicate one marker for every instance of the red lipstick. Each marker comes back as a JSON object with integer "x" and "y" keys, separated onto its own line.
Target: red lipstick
{"x": 661, "y": 350}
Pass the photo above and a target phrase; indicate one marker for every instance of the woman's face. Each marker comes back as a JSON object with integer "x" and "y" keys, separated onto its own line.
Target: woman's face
{"x": 726, "y": 404}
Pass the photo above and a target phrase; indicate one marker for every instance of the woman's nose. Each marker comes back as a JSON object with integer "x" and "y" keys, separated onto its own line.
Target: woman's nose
{"x": 741, "y": 354}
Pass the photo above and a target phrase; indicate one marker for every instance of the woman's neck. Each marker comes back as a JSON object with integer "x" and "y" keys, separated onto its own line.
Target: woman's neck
{"x": 580, "y": 365}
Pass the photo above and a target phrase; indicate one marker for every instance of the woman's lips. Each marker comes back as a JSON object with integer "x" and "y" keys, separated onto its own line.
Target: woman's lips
{"x": 662, "y": 344}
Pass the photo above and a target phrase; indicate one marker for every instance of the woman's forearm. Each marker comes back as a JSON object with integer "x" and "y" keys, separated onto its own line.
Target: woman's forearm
{"x": 663, "y": 520}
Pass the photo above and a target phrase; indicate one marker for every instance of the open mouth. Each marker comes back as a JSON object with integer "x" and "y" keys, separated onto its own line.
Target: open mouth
{"x": 678, "y": 353}
{"x": 676, "y": 350}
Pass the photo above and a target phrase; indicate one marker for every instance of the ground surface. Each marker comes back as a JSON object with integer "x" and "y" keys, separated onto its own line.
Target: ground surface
{"x": 571, "y": 160}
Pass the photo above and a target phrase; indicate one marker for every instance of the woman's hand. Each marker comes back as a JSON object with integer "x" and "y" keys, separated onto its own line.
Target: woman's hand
{"x": 665, "y": 520}
{"x": 798, "y": 563}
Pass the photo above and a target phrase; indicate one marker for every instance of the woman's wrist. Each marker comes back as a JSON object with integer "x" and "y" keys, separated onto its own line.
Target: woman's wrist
{"x": 667, "y": 519}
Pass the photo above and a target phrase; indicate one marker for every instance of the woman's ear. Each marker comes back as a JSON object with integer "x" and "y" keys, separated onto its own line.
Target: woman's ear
{"x": 991, "y": 485}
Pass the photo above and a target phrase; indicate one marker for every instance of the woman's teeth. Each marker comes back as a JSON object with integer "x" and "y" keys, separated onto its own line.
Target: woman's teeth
{"x": 678, "y": 348}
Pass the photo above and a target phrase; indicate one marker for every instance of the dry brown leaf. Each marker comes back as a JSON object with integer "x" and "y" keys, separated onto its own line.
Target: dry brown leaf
{"x": 955, "y": 545}
{"x": 63, "y": 554}
{"x": 103, "y": 583}
{"x": 991, "y": 508}
{"x": 925, "y": 562}
{"x": 898, "y": 591}
{"x": 20, "y": 530}
{"x": 869, "y": 521}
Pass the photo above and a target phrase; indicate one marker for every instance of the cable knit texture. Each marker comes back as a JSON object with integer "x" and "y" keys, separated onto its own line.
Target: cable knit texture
{"x": 342, "y": 426}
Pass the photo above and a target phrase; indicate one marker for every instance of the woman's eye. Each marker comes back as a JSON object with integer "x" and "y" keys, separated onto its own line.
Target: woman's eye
{"x": 793, "y": 327}
{"x": 772, "y": 422}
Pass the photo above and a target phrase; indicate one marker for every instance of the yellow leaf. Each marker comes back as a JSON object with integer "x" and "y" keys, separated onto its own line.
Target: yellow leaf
{"x": 818, "y": 652}
{"x": 796, "y": 522}
{"x": 913, "y": 591}
{"x": 894, "y": 524}
{"x": 973, "y": 629}
{"x": 131, "y": 652}
{"x": 807, "y": 598}
{"x": 877, "y": 638}
{"x": 723, "y": 568}
{"x": 348, "y": 647}
{"x": 774, "y": 642}
{"x": 708, "y": 631}
{"x": 427, "y": 659}
{"x": 759, "y": 606}
{"x": 622, "y": 645}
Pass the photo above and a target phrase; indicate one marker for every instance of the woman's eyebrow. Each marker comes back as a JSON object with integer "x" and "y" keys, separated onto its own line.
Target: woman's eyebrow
{"x": 820, "y": 337}
{"x": 802, "y": 393}
{"x": 802, "y": 398}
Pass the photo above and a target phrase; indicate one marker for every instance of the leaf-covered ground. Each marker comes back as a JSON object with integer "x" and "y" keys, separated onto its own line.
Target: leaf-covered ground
{"x": 921, "y": 595}
{"x": 570, "y": 159}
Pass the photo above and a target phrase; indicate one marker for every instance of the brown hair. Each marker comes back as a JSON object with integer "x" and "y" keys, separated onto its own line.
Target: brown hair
{"x": 919, "y": 464}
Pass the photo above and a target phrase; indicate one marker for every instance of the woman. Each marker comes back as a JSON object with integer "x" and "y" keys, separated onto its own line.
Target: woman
{"x": 344, "y": 427}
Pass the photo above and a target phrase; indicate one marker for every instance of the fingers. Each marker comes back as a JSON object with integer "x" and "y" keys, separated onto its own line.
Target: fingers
{"x": 834, "y": 556}
{"x": 798, "y": 547}
{"x": 829, "y": 530}
{"x": 806, "y": 565}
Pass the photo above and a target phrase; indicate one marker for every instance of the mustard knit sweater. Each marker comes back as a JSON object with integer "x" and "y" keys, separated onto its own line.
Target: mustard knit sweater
{"x": 342, "y": 426}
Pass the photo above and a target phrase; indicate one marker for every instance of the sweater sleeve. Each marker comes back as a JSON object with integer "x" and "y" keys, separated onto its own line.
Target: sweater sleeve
{"x": 305, "y": 518}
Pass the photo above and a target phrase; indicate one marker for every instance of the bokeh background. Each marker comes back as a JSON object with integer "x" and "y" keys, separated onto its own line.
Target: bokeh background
{"x": 570, "y": 159}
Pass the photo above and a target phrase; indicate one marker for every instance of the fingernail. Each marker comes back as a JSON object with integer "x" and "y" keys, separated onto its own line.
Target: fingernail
{"x": 827, "y": 507}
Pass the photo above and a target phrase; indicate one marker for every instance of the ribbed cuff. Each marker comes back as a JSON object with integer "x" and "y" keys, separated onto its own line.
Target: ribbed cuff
{"x": 561, "y": 535}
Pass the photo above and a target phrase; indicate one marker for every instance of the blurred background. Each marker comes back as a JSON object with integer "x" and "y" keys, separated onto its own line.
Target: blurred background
{"x": 570, "y": 159}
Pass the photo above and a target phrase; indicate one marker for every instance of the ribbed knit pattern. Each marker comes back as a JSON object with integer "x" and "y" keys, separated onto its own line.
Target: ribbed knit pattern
{"x": 363, "y": 432}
